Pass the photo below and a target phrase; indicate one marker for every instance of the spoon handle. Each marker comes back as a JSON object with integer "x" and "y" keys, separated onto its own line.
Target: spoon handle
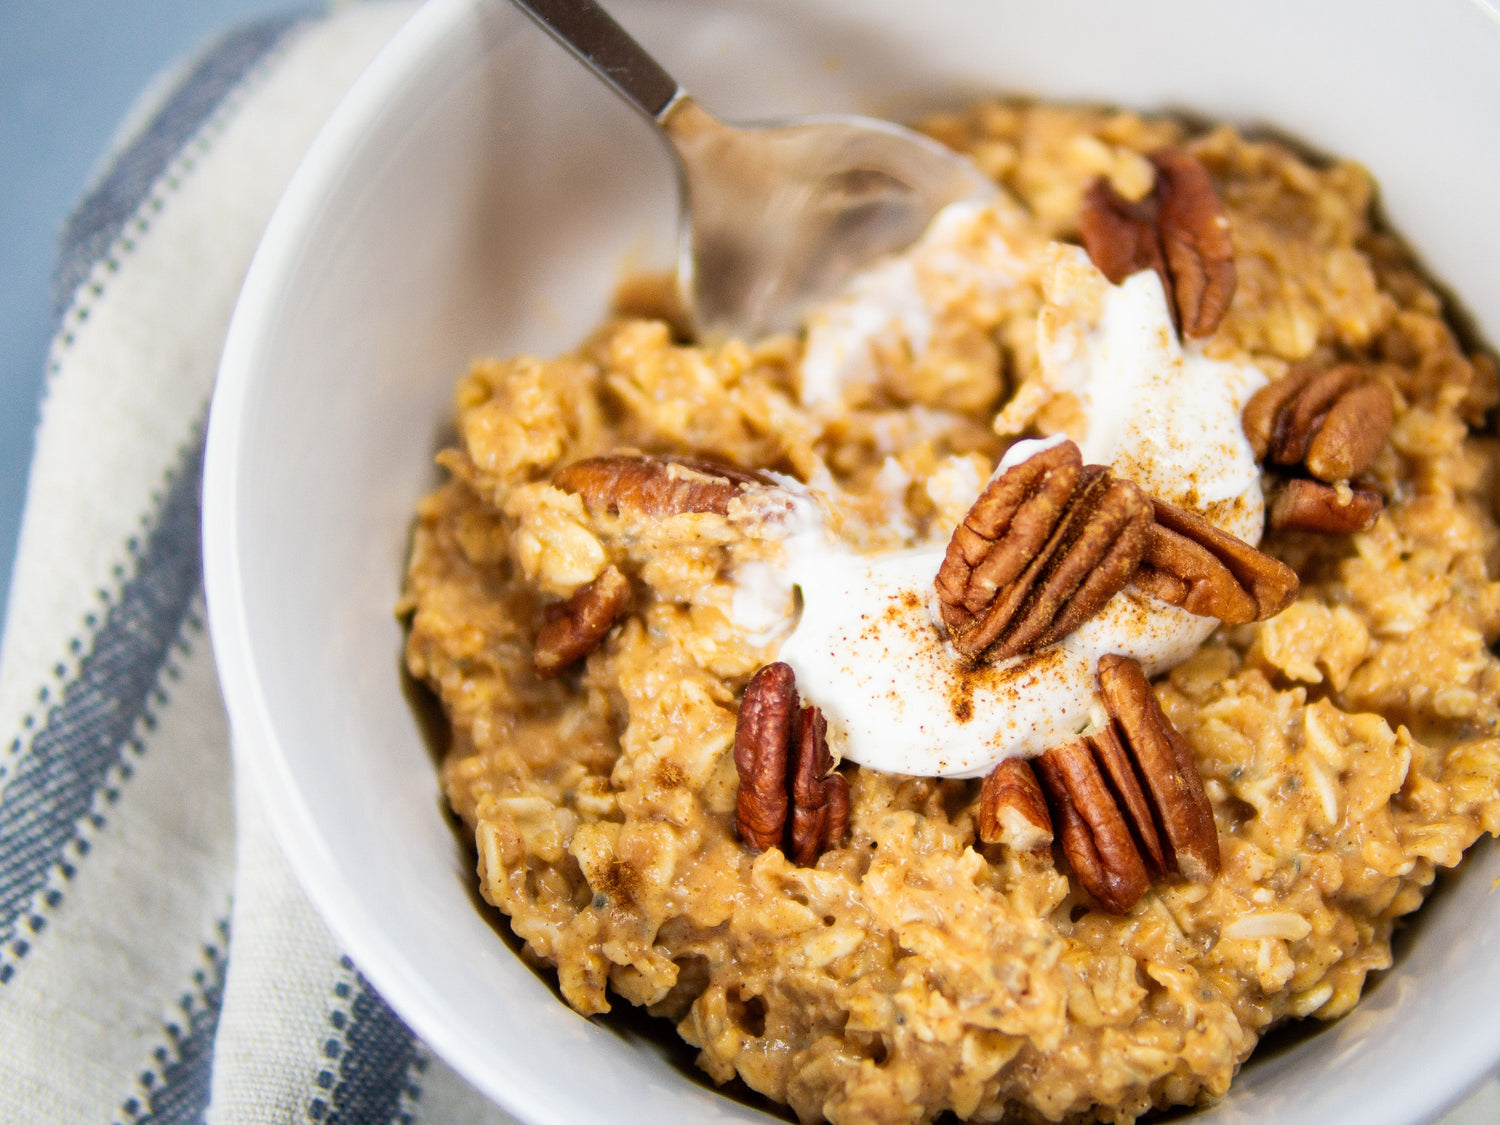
{"x": 589, "y": 32}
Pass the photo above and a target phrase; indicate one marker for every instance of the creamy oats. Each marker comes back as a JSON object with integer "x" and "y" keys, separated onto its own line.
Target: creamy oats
{"x": 1349, "y": 745}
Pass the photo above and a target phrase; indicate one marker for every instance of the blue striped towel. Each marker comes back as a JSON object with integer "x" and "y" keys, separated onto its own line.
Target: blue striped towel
{"x": 158, "y": 962}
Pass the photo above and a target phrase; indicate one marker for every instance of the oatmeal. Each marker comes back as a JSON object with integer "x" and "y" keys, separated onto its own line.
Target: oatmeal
{"x": 624, "y": 594}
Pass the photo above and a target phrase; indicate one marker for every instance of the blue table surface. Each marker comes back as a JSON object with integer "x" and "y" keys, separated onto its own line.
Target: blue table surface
{"x": 69, "y": 70}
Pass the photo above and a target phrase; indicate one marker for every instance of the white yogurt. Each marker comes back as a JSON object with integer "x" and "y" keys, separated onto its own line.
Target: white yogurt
{"x": 897, "y": 698}
{"x": 867, "y": 648}
{"x": 1164, "y": 416}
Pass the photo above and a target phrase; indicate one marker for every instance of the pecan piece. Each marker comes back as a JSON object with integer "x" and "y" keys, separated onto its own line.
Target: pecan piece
{"x": 1310, "y": 505}
{"x": 1120, "y": 235}
{"x": 1128, "y": 798}
{"x": 1166, "y": 766}
{"x": 781, "y": 754}
{"x": 1047, "y": 543}
{"x": 574, "y": 628}
{"x": 1120, "y": 770}
{"x": 1193, "y": 564}
{"x": 1095, "y": 837}
{"x": 762, "y": 739}
{"x": 1180, "y": 230}
{"x": 820, "y": 796}
{"x": 1012, "y": 810}
{"x": 1332, "y": 421}
{"x": 656, "y": 486}
{"x": 1195, "y": 241}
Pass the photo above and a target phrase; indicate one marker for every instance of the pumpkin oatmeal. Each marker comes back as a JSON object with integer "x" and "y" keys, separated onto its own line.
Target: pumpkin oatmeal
{"x": 1111, "y": 758}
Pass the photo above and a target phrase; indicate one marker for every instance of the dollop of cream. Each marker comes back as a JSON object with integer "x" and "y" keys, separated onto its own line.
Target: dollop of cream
{"x": 868, "y": 648}
{"x": 1161, "y": 414}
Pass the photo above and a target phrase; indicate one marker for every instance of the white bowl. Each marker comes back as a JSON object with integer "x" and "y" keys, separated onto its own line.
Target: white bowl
{"x": 477, "y": 192}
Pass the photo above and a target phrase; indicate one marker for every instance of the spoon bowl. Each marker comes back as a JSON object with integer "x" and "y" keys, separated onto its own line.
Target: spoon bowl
{"x": 775, "y": 216}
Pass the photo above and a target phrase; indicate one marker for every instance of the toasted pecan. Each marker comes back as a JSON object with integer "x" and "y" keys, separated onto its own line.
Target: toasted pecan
{"x": 574, "y": 628}
{"x": 1333, "y": 421}
{"x": 1166, "y": 767}
{"x": 1096, "y": 839}
{"x": 820, "y": 796}
{"x": 1047, "y": 543}
{"x": 1012, "y": 809}
{"x": 1332, "y": 424}
{"x": 1180, "y": 230}
{"x": 1120, "y": 769}
{"x": 1310, "y": 505}
{"x": 781, "y": 755}
{"x": 762, "y": 743}
{"x": 1193, "y": 564}
{"x": 1195, "y": 241}
{"x": 1120, "y": 234}
{"x": 1127, "y": 798}
{"x": 656, "y": 486}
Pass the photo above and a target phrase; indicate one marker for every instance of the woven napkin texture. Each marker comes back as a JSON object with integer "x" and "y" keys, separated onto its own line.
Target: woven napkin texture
{"x": 158, "y": 962}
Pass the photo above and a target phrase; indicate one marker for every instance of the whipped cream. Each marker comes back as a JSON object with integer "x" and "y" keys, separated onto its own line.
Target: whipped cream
{"x": 867, "y": 647}
{"x": 1164, "y": 416}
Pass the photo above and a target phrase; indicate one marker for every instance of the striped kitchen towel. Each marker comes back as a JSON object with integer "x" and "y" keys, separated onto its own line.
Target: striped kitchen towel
{"x": 158, "y": 962}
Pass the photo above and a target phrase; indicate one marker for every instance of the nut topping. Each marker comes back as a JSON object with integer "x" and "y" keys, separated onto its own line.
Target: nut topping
{"x": 781, "y": 753}
{"x": 820, "y": 797}
{"x": 656, "y": 486}
{"x": 1047, "y": 543}
{"x": 1121, "y": 236}
{"x": 1190, "y": 563}
{"x": 1179, "y": 230}
{"x": 1310, "y": 505}
{"x": 574, "y": 628}
{"x": 1195, "y": 239}
{"x": 1119, "y": 770}
{"x": 1334, "y": 422}
{"x": 1012, "y": 810}
{"x": 1095, "y": 837}
{"x": 1165, "y": 763}
{"x": 1128, "y": 799}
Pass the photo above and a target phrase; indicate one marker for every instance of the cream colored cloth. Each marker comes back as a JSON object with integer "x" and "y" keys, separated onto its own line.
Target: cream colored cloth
{"x": 158, "y": 962}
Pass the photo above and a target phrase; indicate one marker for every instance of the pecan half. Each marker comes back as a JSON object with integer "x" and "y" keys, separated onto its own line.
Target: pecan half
{"x": 1012, "y": 810}
{"x": 781, "y": 754}
{"x": 762, "y": 740}
{"x": 820, "y": 796}
{"x": 1195, "y": 239}
{"x": 1128, "y": 799}
{"x": 1193, "y": 564}
{"x": 1120, "y": 235}
{"x": 1095, "y": 837}
{"x": 574, "y": 628}
{"x": 1166, "y": 766}
{"x": 1047, "y": 543}
{"x": 1332, "y": 421}
{"x": 1120, "y": 770}
{"x": 1311, "y": 505}
{"x": 656, "y": 486}
{"x": 1180, "y": 230}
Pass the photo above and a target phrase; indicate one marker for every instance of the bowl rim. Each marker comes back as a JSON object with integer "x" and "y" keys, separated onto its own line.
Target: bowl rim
{"x": 259, "y": 755}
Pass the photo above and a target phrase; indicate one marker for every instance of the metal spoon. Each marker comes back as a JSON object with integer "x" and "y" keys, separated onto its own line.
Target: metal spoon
{"x": 775, "y": 216}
